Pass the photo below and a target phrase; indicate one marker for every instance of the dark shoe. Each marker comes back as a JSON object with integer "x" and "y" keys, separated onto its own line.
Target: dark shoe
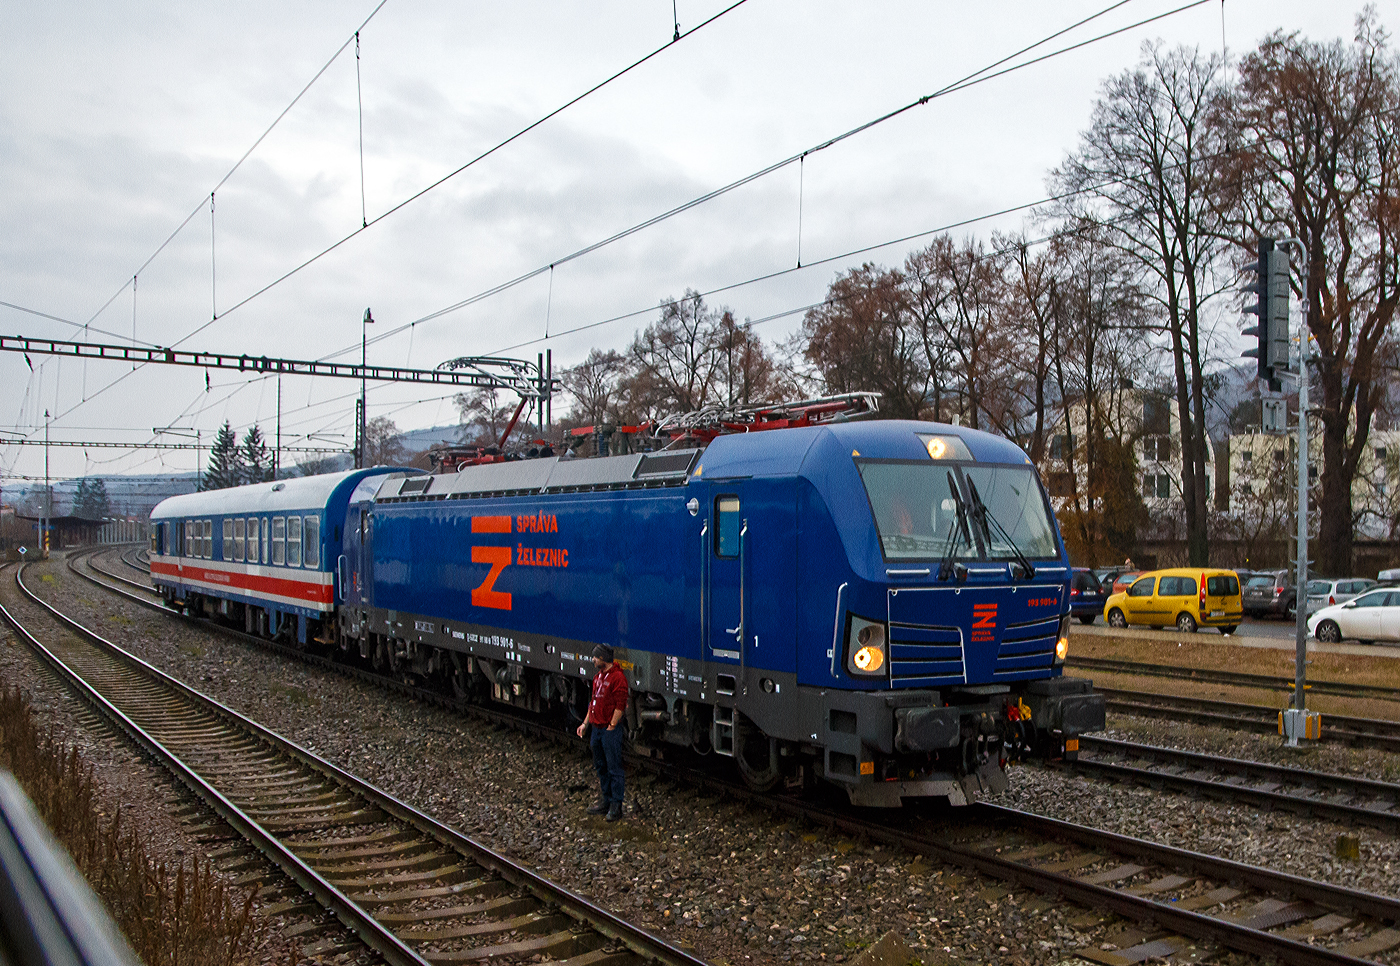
{"x": 598, "y": 807}
{"x": 615, "y": 812}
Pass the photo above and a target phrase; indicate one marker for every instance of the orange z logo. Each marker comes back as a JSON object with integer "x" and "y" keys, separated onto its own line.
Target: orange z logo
{"x": 498, "y": 557}
{"x": 985, "y": 616}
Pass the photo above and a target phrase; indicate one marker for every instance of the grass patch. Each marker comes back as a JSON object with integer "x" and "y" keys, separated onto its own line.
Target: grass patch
{"x": 171, "y": 915}
{"x": 121, "y": 619}
{"x": 191, "y": 650}
{"x": 1219, "y": 654}
{"x": 47, "y": 578}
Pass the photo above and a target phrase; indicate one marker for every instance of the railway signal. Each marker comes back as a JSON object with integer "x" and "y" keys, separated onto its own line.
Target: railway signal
{"x": 1270, "y": 289}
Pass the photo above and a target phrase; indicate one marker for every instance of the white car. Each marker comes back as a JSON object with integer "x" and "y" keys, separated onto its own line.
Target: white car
{"x": 1373, "y": 616}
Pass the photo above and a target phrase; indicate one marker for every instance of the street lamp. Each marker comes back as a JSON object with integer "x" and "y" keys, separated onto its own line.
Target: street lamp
{"x": 188, "y": 432}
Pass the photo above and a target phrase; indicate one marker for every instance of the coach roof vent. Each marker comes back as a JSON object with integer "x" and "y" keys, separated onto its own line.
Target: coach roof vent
{"x": 656, "y": 465}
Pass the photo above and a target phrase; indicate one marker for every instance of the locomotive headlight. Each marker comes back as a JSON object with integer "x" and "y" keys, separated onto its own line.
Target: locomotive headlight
{"x": 1062, "y": 643}
{"x": 936, "y": 448}
{"x": 865, "y": 647}
{"x": 869, "y": 659}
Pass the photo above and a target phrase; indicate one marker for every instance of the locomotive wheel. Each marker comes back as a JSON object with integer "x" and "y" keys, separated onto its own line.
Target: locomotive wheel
{"x": 1116, "y": 619}
{"x": 756, "y": 754}
{"x": 380, "y": 660}
{"x": 1329, "y": 633}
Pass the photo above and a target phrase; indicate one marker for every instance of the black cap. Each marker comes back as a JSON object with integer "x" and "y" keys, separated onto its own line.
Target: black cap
{"x": 603, "y": 651}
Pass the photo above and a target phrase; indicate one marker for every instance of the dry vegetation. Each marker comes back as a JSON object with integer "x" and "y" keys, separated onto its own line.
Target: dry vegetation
{"x": 1218, "y": 655}
{"x": 171, "y": 915}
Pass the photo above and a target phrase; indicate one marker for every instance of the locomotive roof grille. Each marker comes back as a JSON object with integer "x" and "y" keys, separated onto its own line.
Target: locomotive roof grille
{"x": 549, "y": 475}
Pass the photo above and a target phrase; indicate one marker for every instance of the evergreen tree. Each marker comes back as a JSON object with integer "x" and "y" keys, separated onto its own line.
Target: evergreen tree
{"x": 254, "y": 457}
{"x": 225, "y": 462}
{"x": 91, "y": 501}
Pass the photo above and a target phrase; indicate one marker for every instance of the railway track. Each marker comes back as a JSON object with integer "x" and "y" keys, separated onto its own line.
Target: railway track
{"x": 411, "y": 889}
{"x": 1176, "y": 672}
{"x": 1336, "y": 728}
{"x": 1187, "y": 904}
{"x": 1339, "y": 798}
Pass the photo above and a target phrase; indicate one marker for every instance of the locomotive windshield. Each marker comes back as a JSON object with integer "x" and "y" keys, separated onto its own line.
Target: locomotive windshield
{"x": 928, "y": 512}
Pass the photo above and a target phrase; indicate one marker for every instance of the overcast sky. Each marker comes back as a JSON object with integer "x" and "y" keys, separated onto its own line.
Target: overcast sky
{"x": 116, "y": 119}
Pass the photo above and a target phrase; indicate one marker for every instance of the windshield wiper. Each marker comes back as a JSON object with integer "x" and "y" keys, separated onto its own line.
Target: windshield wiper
{"x": 984, "y": 516}
{"x": 947, "y": 567}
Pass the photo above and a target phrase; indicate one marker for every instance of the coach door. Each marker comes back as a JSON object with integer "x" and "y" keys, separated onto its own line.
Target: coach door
{"x": 725, "y": 551}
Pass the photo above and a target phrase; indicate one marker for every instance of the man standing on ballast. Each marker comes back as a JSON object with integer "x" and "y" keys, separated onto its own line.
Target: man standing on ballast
{"x": 605, "y": 721}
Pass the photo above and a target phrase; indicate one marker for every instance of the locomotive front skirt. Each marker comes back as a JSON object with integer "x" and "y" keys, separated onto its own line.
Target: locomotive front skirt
{"x": 882, "y": 605}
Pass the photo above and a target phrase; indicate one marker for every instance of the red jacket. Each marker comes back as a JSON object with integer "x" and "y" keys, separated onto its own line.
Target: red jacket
{"x": 609, "y": 695}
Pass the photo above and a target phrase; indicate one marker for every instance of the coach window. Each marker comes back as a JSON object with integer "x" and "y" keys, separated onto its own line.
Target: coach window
{"x": 208, "y": 539}
{"x": 188, "y": 527}
{"x": 279, "y": 540}
{"x": 226, "y": 549}
{"x": 267, "y": 539}
{"x": 293, "y": 541}
{"x": 727, "y": 526}
{"x": 239, "y": 535}
{"x": 312, "y": 535}
{"x": 252, "y": 540}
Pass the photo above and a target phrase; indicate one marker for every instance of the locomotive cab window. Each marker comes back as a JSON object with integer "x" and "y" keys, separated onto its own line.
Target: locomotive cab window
{"x": 293, "y": 541}
{"x": 279, "y": 540}
{"x": 311, "y": 533}
{"x": 727, "y": 526}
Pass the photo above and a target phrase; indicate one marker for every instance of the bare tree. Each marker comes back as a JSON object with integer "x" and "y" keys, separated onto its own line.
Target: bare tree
{"x": 1145, "y": 173}
{"x": 1318, "y": 158}
{"x": 595, "y": 385}
{"x": 863, "y": 338}
{"x": 674, "y": 361}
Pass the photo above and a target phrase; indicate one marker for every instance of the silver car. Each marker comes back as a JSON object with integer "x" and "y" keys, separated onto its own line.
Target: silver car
{"x": 1328, "y": 593}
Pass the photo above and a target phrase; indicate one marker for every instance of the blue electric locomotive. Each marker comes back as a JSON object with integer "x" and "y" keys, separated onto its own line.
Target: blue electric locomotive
{"x": 883, "y": 605}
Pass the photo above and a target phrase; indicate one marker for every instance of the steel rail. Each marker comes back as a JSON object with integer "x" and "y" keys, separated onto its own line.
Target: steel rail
{"x": 1337, "y": 688}
{"x": 351, "y": 915}
{"x": 1336, "y": 728}
{"x": 1387, "y": 816}
{"x": 1186, "y": 922}
{"x": 607, "y": 924}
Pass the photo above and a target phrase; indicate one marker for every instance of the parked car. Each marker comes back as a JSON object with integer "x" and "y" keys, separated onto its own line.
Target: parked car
{"x": 1086, "y": 595}
{"x": 1107, "y": 575}
{"x": 1328, "y": 593}
{"x": 1373, "y": 616}
{"x": 1269, "y": 594}
{"x": 1121, "y": 582}
{"x": 1389, "y": 576}
{"x": 1188, "y": 597}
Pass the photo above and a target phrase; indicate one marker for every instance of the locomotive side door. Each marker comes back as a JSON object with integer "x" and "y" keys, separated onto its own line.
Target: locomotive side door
{"x": 359, "y": 591}
{"x": 724, "y": 566}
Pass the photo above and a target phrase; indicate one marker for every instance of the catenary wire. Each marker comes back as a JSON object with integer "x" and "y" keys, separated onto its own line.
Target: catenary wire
{"x": 970, "y": 80}
{"x": 574, "y": 100}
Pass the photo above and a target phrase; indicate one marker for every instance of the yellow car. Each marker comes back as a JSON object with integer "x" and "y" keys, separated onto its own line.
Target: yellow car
{"x": 1188, "y": 597}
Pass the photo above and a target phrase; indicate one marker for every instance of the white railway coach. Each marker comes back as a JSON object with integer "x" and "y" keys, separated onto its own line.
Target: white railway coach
{"x": 267, "y": 552}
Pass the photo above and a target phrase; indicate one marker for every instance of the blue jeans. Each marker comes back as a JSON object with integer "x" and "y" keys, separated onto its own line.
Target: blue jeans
{"x": 607, "y": 761}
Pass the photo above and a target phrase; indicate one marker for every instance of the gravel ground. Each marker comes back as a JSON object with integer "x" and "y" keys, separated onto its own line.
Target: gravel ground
{"x": 734, "y": 884}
